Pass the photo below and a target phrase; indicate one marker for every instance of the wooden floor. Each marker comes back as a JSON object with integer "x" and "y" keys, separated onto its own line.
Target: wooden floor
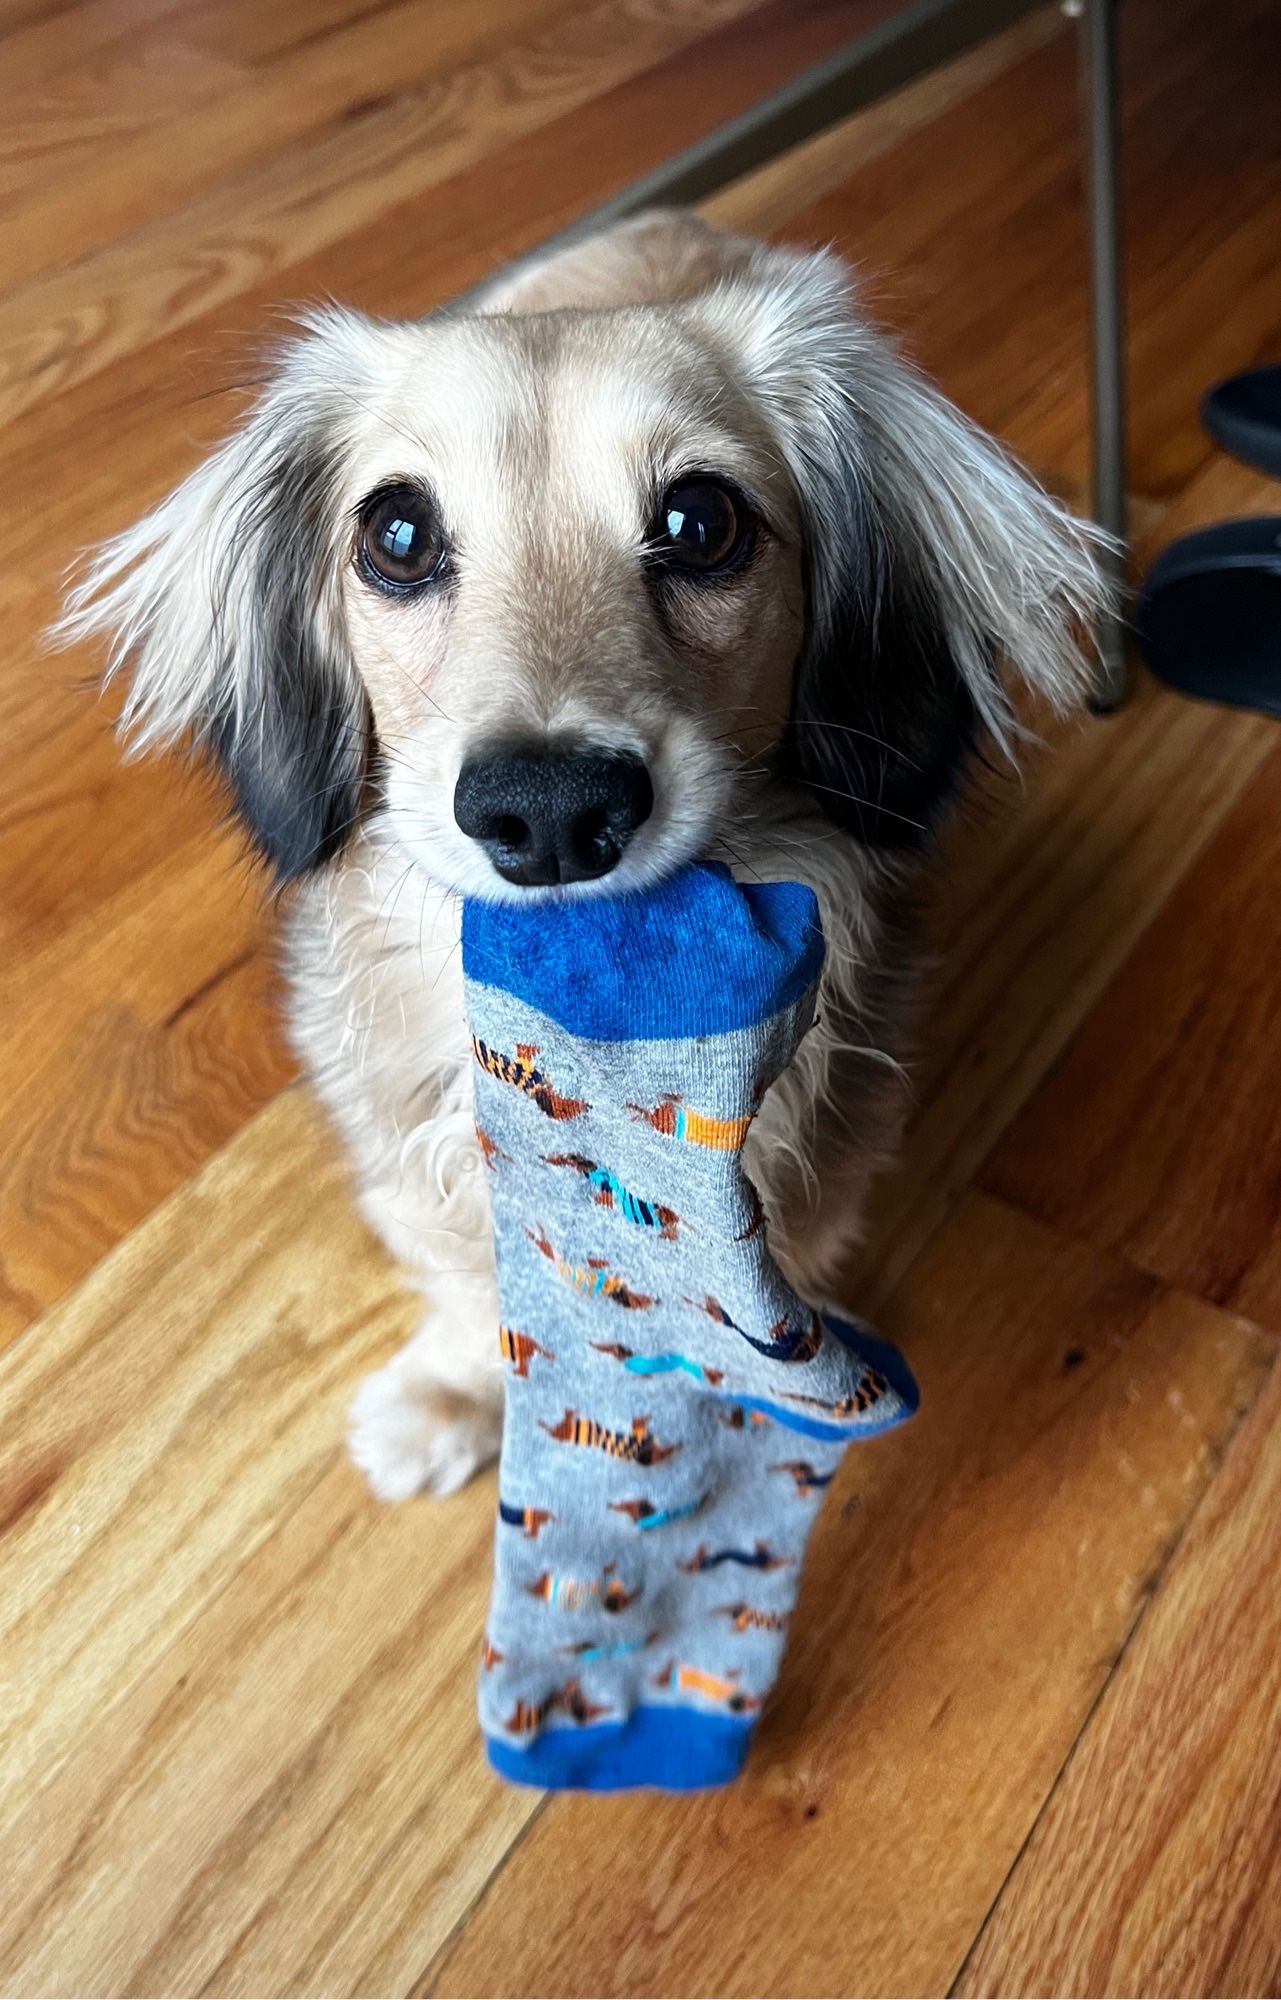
{"x": 1029, "y": 1737}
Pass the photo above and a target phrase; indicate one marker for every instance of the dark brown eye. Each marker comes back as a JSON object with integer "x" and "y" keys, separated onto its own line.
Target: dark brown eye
{"x": 701, "y": 527}
{"x": 401, "y": 541}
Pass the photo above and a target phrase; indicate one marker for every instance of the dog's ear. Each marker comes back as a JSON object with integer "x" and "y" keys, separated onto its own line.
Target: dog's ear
{"x": 224, "y": 605}
{"x": 935, "y": 565}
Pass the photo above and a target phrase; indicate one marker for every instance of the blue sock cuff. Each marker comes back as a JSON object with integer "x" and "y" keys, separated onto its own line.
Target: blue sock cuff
{"x": 665, "y": 1749}
{"x": 699, "y": 955}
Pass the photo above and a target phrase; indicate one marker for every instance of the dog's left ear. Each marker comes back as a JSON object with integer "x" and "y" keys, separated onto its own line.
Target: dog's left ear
{"x": 935, "y": 565}
{"x": 224, "y": 609}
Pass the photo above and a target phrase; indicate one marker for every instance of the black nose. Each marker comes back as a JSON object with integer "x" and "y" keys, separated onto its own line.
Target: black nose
{"x": 548, "y": 816}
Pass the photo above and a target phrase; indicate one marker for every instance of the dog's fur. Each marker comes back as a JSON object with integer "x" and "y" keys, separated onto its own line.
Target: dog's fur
{"x": 809, "y": 717}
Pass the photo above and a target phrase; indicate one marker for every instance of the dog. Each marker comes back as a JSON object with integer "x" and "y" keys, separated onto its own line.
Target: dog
{"x": 655, "y": 548}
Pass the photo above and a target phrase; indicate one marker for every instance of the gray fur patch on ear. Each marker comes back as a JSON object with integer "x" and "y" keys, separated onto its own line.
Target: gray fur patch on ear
{"x": 295, "y": 750}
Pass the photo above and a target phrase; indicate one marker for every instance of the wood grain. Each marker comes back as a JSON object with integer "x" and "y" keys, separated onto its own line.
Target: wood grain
{"x": 233, "y": 117}
{"x": 168, "y": 274}
{"x": 167, "y": 1415}
{"x": 126, "y": 1063}
{"x": 1156, "y": 1867}
{"x": 1037, "y": 908}
{"x": 177, "y": 1736}
{"x": 973, "y": 1581}
{"x": 1174, "y": 1155}
{"x": 293, "y": 1800}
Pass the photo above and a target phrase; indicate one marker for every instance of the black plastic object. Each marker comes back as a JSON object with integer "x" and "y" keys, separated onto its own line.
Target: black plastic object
{"x": 1243, "y": 414}
{"x": 1208, "y": 619}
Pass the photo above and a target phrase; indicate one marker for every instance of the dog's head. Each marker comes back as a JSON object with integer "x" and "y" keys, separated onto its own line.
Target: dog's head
{"x": 544, "y": 582}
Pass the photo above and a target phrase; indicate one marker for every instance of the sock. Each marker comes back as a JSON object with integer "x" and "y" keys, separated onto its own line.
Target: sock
{"x": 675, "y": 1410}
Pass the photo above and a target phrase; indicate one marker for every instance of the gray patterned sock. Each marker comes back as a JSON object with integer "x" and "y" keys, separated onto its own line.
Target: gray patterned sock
{"x": 675, "y": 1409}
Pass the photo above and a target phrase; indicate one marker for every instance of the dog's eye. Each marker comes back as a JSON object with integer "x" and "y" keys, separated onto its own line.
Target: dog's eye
{"x": 401, "y": 541}
{"x": 701, "y": 527}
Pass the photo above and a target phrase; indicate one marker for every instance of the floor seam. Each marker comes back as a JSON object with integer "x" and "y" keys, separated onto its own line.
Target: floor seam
{"x": 424, "y": 1987}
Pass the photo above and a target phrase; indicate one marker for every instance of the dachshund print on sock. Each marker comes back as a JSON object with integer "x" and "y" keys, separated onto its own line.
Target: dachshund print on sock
{"x": 521, "y": 1073}
{"x": 609, "y": 1192}
{"x": 645, "y": 1514}
{"x": 787, "y": 1340}
{"x": 490, "y": 1150}
{"x": 571, "y": 1593}
{"x": 527, "y": 1718}
{"x": 531, "y": 1519}
{"x": 870, "y": 1391}
{"x": 594, "y": 1279}
{"x": 746, "y": 1618}
{"x": 659, "y": 1364}
{"x": 739, "y": 1419}
{"x": 716, "y": 1687}
{"x": 762, "y": 1557}
{"x": 590, "y": 1650}
{"x": 796, "y": 1340}
{"x": 637, "y": 1446}
{"x": 807, "y": 1480}
{"x": 675, "y": 1120}
{"x": 520, "y": 1349}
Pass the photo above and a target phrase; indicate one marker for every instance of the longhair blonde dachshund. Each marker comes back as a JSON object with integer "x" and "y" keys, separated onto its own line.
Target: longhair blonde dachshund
{"x": 658, "y": 549}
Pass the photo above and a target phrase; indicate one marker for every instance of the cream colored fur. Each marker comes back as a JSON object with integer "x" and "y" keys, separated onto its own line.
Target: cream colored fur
{"x": 544, "y": 419}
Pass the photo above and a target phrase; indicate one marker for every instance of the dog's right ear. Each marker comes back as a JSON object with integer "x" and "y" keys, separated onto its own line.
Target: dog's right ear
{"x": 939, "y": 574}
{"x": 224, "y": 606}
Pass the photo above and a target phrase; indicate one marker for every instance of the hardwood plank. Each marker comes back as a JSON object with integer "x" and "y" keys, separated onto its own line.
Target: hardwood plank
{"x": 973, "y": 1581}
{"x": 167, "y": 1416}
{"x": 1038, "y": 906}
{"x": 1156, "y": 1867}
{"x": 291, "y": 1797}
{"x": 116, "y": 121}
{"x": 1166, "y": 1138}
{"x": 56, "y": 40}
{"x": 90, "y": 115}
{"x": 268, "y": 30}
{"x": 228, "y": 1673}
{"x": 171, "y": 273}
{"x": 135, "y": 1045}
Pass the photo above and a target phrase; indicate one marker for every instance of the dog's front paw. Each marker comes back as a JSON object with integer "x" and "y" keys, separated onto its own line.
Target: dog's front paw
{"x": 415, "y": 1437}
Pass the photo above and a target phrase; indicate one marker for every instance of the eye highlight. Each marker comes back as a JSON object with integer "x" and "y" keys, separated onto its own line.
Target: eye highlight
{"x": 400, "y": 541}
{"x": 702, "y": 527}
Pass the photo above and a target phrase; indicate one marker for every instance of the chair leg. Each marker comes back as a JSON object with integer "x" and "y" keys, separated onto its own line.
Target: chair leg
{"x": 1100, "y": 94}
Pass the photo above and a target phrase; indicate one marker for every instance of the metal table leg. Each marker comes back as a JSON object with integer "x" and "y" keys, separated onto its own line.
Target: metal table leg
{"x": 1100, "y": 92}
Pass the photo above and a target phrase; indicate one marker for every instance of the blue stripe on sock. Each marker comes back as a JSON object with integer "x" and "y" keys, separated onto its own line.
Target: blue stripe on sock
{"x": 669, "y": 1749}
